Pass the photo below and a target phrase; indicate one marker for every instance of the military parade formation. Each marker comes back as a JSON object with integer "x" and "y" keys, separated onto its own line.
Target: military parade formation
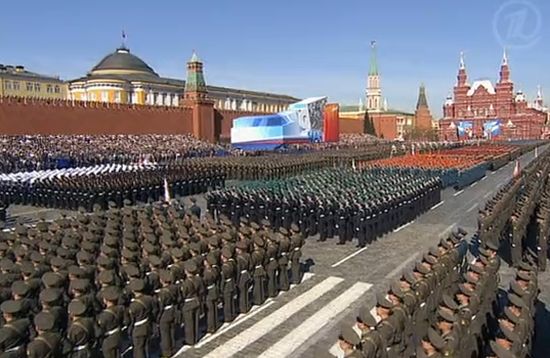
{"x": 128, "y": 270}
{"x": 135, "y": 278}
{"x": 332, "y": 202}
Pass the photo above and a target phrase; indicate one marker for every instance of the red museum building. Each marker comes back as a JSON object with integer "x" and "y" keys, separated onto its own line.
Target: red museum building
{"x": 476, "y": 107}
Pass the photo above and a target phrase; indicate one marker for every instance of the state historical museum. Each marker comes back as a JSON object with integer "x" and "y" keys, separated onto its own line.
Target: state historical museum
{"x": 484, "y": 110}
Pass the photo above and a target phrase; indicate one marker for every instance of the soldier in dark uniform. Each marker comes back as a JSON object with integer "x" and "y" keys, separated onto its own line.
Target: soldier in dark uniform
{"x": 227, "y": 281}
{"x": 82, "y": 331}
{"x": 142, "y": 312}
{"x": 372, "y": 345}
{"x": 167, "y": 297}
{"x": 296, "y": 243}
{"x": 48, "y": 342}
{"x": 111, "y": 322}
{"x": 191, "y": 303}
{"x": 258, "y": 259}
{"x": 271, "y": 265}
{"x": 17, "y": 330}
{"x": 243, "y": 262}
{"x": 283, "y": 261}
{"x": 211, "y": 277}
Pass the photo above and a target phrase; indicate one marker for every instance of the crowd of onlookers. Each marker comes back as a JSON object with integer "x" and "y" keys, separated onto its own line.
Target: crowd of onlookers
{"x": 38, "y": 152}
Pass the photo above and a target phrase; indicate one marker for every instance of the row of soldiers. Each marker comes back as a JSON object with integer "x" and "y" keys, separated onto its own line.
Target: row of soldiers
{"x": 448, "y": 308}
{"x": 145, "y": 184}
{"x": 518, "y": 217}
{"x": 332, "y": 202}
{"x": 77, "y": 287}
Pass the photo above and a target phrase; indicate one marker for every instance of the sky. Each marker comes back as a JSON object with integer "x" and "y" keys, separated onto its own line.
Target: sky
{"x": 301, "y": 47}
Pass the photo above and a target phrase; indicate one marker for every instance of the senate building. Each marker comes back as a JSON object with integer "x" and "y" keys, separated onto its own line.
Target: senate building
{"x": 122, "y": 77}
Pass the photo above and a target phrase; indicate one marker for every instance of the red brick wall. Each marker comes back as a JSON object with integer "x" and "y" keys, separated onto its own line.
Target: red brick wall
{"x": 348, "y": 125}
{"x": 63, "y": 117}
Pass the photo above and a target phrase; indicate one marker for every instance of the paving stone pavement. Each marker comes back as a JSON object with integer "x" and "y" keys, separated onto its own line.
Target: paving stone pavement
{"x": 375, "y": 265}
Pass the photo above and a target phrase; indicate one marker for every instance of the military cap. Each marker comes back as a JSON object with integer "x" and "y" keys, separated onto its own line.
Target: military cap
{"x": 193, "y": 199}
{"x": 177, "y": 253}
{"x": 155, "y": 261}
{"x": 446, "y": 244}
{"x": 446, "y": 316}
{"x": 226, "y": 236}
{"x": 396, "y": 290}
{"x": 195, "y": 247}
{"x": 226, "y": 252}
{"x": 211, "y": 258}
{"x": 483, "y": 252}
{"x": 430, "y": 259}
{"x": 20, "y": 251}
{"x": 526, "y": 266}
{"x": 244, "y": 220}
{"x": 20, "y": 288}
{"x": 449, "y": 302}
{"x": 84, "y": 257}
{"x": 44, "y": 321}
{"x": 27, "y": 267}
{"x": 51, "y": 279}
{"x": 382, "y": 301}
{"x": 421, "y": 268}
{"x": 21, "y": 230}
{"x": 259, "y": 241}
{"x": 77, "y": 308}
{"x": 517, "y": 289}
{"x": 435, "y": 339}
{"x": 254, "y": 225}
{"x": 507, "y": 334}
{"x": 409, "y": 277}
{"x": 166, "y": 276}
{"x": 190, "y": 266}
{"x": 492, "y": 245}
{"x": 265, "y": 223}
{"x": 4, "y": 246}
{"x": 80, "y": 284}
{"x": 434, "y": 252}
{"x": 241, "y": 245}
{"x": 465, "y": 290}
{"x": 106, "y": 277}
{"x": 137, "y": 285}
{"x": 525, "y": 276}
{"x": 132, "y": 270}
{"x": 455, "y": 239}
{"x": 294, "y": 228}
{"x": 49, "y": 295}
{"x": 11, "y": 306}
{"x": 76, "y": 271}
{"x": 364, "y": 316}
{"x": 58, "y": 262}
{"x": 349, "y": 335}
{"x": 500, "y": 351}
{"x": 516, "y": 300}
{"x": 110, "y": 241}
{"x": 476, "y": 269}
{"x": 111, "y": 293}
{"x": 509, "y": 315}
{"x": 105, "y": 262}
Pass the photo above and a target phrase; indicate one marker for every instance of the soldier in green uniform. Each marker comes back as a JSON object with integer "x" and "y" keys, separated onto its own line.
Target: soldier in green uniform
{"x": 142, "y": 312}
{"x": 227, "y": 283}
{"x": 349, "y": 342}
{"x": 372, "y": 345}
{"x": 17, "y": 330}
{"x": 167, "y": 318}
{"x": 111, "y": 321}
{"x": 82, "y": 332}
{"x": 48, "y": 342}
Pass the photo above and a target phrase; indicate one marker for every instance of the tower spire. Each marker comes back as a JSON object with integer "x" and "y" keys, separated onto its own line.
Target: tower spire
{"x": 462, "y": 65}
{"x": 422, "y": 101}
{"x": 123, "y": 44}
{"x": 504, "y": 57}
{"x": 373, "y": 70}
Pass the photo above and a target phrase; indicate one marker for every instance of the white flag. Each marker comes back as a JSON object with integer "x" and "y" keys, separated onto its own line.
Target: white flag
{"x": 166, "y": 191}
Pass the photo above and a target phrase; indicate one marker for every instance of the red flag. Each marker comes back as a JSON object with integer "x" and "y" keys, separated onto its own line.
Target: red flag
{"x": 517, "y": 170}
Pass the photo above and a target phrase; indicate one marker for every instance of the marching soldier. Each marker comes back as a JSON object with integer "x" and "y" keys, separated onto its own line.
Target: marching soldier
{"x": 16, "y": 331}
{"x": 82, "y": 332}
{"x": 167, "y": 297}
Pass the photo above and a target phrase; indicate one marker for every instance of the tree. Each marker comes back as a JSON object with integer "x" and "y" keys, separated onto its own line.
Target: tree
{"x": 368, "y": 124}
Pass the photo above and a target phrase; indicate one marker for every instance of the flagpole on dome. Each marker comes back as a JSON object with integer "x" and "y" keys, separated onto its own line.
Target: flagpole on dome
{"x": 123, "y": 45}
